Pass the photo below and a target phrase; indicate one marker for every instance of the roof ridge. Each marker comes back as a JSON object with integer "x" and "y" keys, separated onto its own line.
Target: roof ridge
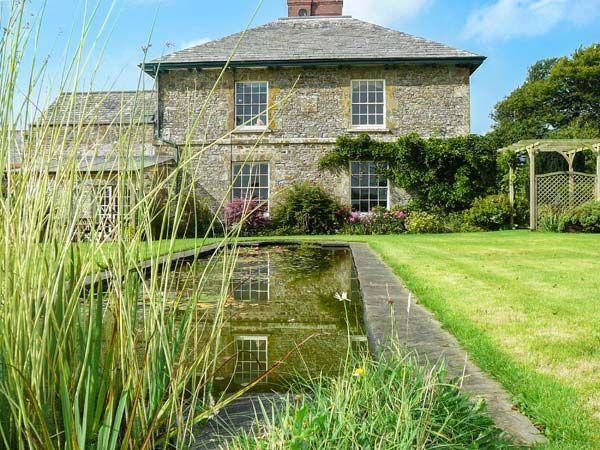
{"x": 116, "y": 91}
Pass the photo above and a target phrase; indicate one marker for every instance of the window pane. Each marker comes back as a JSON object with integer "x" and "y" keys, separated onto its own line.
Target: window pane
{"x": 368, "y": 103}
{"x": 251, "y": 104}
{"x": 252, "y": 181}
{"x": 368, "y": 186}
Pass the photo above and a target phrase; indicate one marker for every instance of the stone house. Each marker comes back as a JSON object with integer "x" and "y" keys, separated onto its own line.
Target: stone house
{"x": 255, "y": 111}
{"x": 291, "y": 87}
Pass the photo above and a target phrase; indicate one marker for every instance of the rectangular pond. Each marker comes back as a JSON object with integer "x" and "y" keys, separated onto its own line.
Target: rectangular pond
{"x": 277, "y": 297}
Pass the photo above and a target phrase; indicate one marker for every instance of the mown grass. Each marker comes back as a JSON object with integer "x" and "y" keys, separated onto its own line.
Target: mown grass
{"x": 526, "y": 306}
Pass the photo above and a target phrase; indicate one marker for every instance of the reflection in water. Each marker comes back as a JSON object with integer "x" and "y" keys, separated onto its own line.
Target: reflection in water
{"x": 250, "y": 281}
{"x": 279, "y": 297}
{"x": 252, "y": 357}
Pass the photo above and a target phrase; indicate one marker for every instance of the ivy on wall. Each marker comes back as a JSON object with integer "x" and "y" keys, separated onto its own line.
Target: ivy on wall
{"x": 441, "y": 175}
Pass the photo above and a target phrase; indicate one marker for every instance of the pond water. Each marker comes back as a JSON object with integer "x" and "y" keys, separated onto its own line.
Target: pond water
{"x": 276, "y": 299}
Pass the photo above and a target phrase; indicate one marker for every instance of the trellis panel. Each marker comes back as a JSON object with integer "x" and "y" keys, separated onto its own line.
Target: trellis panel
{"x": 564, "y": 190}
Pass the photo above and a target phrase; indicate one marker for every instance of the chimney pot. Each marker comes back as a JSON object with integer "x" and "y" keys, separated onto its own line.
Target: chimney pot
{"x": 301, "y": 8}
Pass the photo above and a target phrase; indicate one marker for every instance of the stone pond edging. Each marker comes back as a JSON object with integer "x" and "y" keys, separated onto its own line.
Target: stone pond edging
{"x": 388, "y": 315}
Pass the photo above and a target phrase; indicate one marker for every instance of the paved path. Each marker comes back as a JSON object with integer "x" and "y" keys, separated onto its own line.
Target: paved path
{"x": 240, "y": 415}
{"x": 420, "y": 331}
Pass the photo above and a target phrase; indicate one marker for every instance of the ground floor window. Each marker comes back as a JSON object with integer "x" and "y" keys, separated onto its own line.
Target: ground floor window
{"x": 108, "y": 208}
{"x": 250, "y": 181}
{"x": 251, "y": 357}
{"x": 368, "y": 186}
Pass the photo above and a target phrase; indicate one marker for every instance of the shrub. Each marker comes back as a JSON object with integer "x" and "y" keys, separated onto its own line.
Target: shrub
{"x": 458, "y": 223}
{"x": 195, "y": 222}
{"x": 252, "y": 214}
{"x": 490, "y": 213}
{"x": 308, "y": 209}
{"x": 583, "y": 219}
{"x": 549, "y": 218}
{"x": 424, "y": 222}
{"x": 378, "y": 221}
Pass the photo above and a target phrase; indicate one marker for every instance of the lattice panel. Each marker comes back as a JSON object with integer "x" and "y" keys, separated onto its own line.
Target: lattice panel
{"x": 561, "y": 192}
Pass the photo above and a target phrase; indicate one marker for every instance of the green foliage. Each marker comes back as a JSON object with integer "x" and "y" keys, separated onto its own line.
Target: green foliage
{"x": 559, "y": 99}
{"x": 549, "y": 218}
{"x": 443, "y": 175}
{"x": 384, "y": 402}
{"x": 583, "y": 219}
{"x": 491, "y": 213}
{"x": 307, "y": 209}
{"x": 425, "y": 222}
{"x": 193, "y": 220}
{"x": 541, "y": 70}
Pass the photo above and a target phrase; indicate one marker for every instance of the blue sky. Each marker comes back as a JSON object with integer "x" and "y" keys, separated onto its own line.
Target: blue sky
{"x": 513, "y": 34}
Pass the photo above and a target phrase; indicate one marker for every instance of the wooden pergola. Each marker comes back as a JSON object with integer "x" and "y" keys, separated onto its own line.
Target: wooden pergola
{"x": 566, "y": 189}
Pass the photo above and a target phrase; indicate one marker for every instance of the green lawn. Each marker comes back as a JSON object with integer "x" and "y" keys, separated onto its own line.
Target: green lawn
{"x": 527, "y": 308}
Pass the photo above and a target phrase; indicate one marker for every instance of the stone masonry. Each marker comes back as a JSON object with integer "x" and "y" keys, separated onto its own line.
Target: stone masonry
{"x": 310, "y": 108}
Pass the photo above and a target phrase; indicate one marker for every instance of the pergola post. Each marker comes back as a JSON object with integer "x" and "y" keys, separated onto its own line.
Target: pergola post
{"x": 597, "y": 150}
{"x": 531, "y": 151}
{"x": 511, "y": 193}
{"x": 570, "y": 157}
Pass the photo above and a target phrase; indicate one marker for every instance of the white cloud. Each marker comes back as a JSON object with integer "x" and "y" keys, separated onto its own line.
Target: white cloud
{"x": 194, "y": 43}
{"x": 385, "y": 11}
{"x": 506, "y": 19}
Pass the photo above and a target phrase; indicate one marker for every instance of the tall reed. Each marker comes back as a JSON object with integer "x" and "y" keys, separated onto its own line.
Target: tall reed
{"x": 87, "y": 364}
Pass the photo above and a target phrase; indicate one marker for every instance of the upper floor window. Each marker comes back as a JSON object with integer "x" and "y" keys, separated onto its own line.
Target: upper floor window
{"x": 368, "y": 103}
{"x": 250, "y": 181}
{"x": 251, "y": 104}
{"x": 368, "y": 186}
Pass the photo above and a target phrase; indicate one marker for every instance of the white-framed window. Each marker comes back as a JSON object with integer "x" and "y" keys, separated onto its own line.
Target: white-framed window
{"x": 369, "y": 188}
{"x": 108, "y": 208}
{"x": 252, "y": 104}
{"x": 368, "y": 103}
{"x": 250, "y": 181}
{"x": 252, "y": 357}
{"x": 251, "y": 281}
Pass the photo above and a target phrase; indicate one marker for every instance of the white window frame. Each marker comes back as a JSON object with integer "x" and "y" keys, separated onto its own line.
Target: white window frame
{"x": 108, "y": 212}
{"x": 233, "y": 178}
{"x": 249, "y": 375}
{"x": 389, "y": 190}
{"x": 235, "y": 114}
{"x": 366, "y": 127}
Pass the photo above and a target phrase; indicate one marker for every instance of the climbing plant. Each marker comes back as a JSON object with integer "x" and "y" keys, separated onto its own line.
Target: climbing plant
{"x": 442, "y": 175}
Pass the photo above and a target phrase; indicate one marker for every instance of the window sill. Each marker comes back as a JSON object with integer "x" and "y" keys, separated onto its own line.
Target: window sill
{"x": 252, "y": 130}
{"x": 369, "y": 130}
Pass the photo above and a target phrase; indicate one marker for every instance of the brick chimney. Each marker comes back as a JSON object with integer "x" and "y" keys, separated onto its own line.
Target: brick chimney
{"x": 301, "y": 8}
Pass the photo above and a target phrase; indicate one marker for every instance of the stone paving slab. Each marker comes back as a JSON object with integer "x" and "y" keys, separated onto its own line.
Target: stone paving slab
{"x": 240, "y": 415}
{"x": 388, "y": 315}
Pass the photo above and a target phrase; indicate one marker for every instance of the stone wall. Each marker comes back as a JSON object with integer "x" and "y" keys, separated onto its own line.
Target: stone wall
{"x": 310, "y": 108}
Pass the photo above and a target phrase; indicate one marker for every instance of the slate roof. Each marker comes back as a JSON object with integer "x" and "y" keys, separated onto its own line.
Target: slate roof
{"x": 112, "y": 163}
{"x": 321, "y": 40}
{"x": 102, "y": 108}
